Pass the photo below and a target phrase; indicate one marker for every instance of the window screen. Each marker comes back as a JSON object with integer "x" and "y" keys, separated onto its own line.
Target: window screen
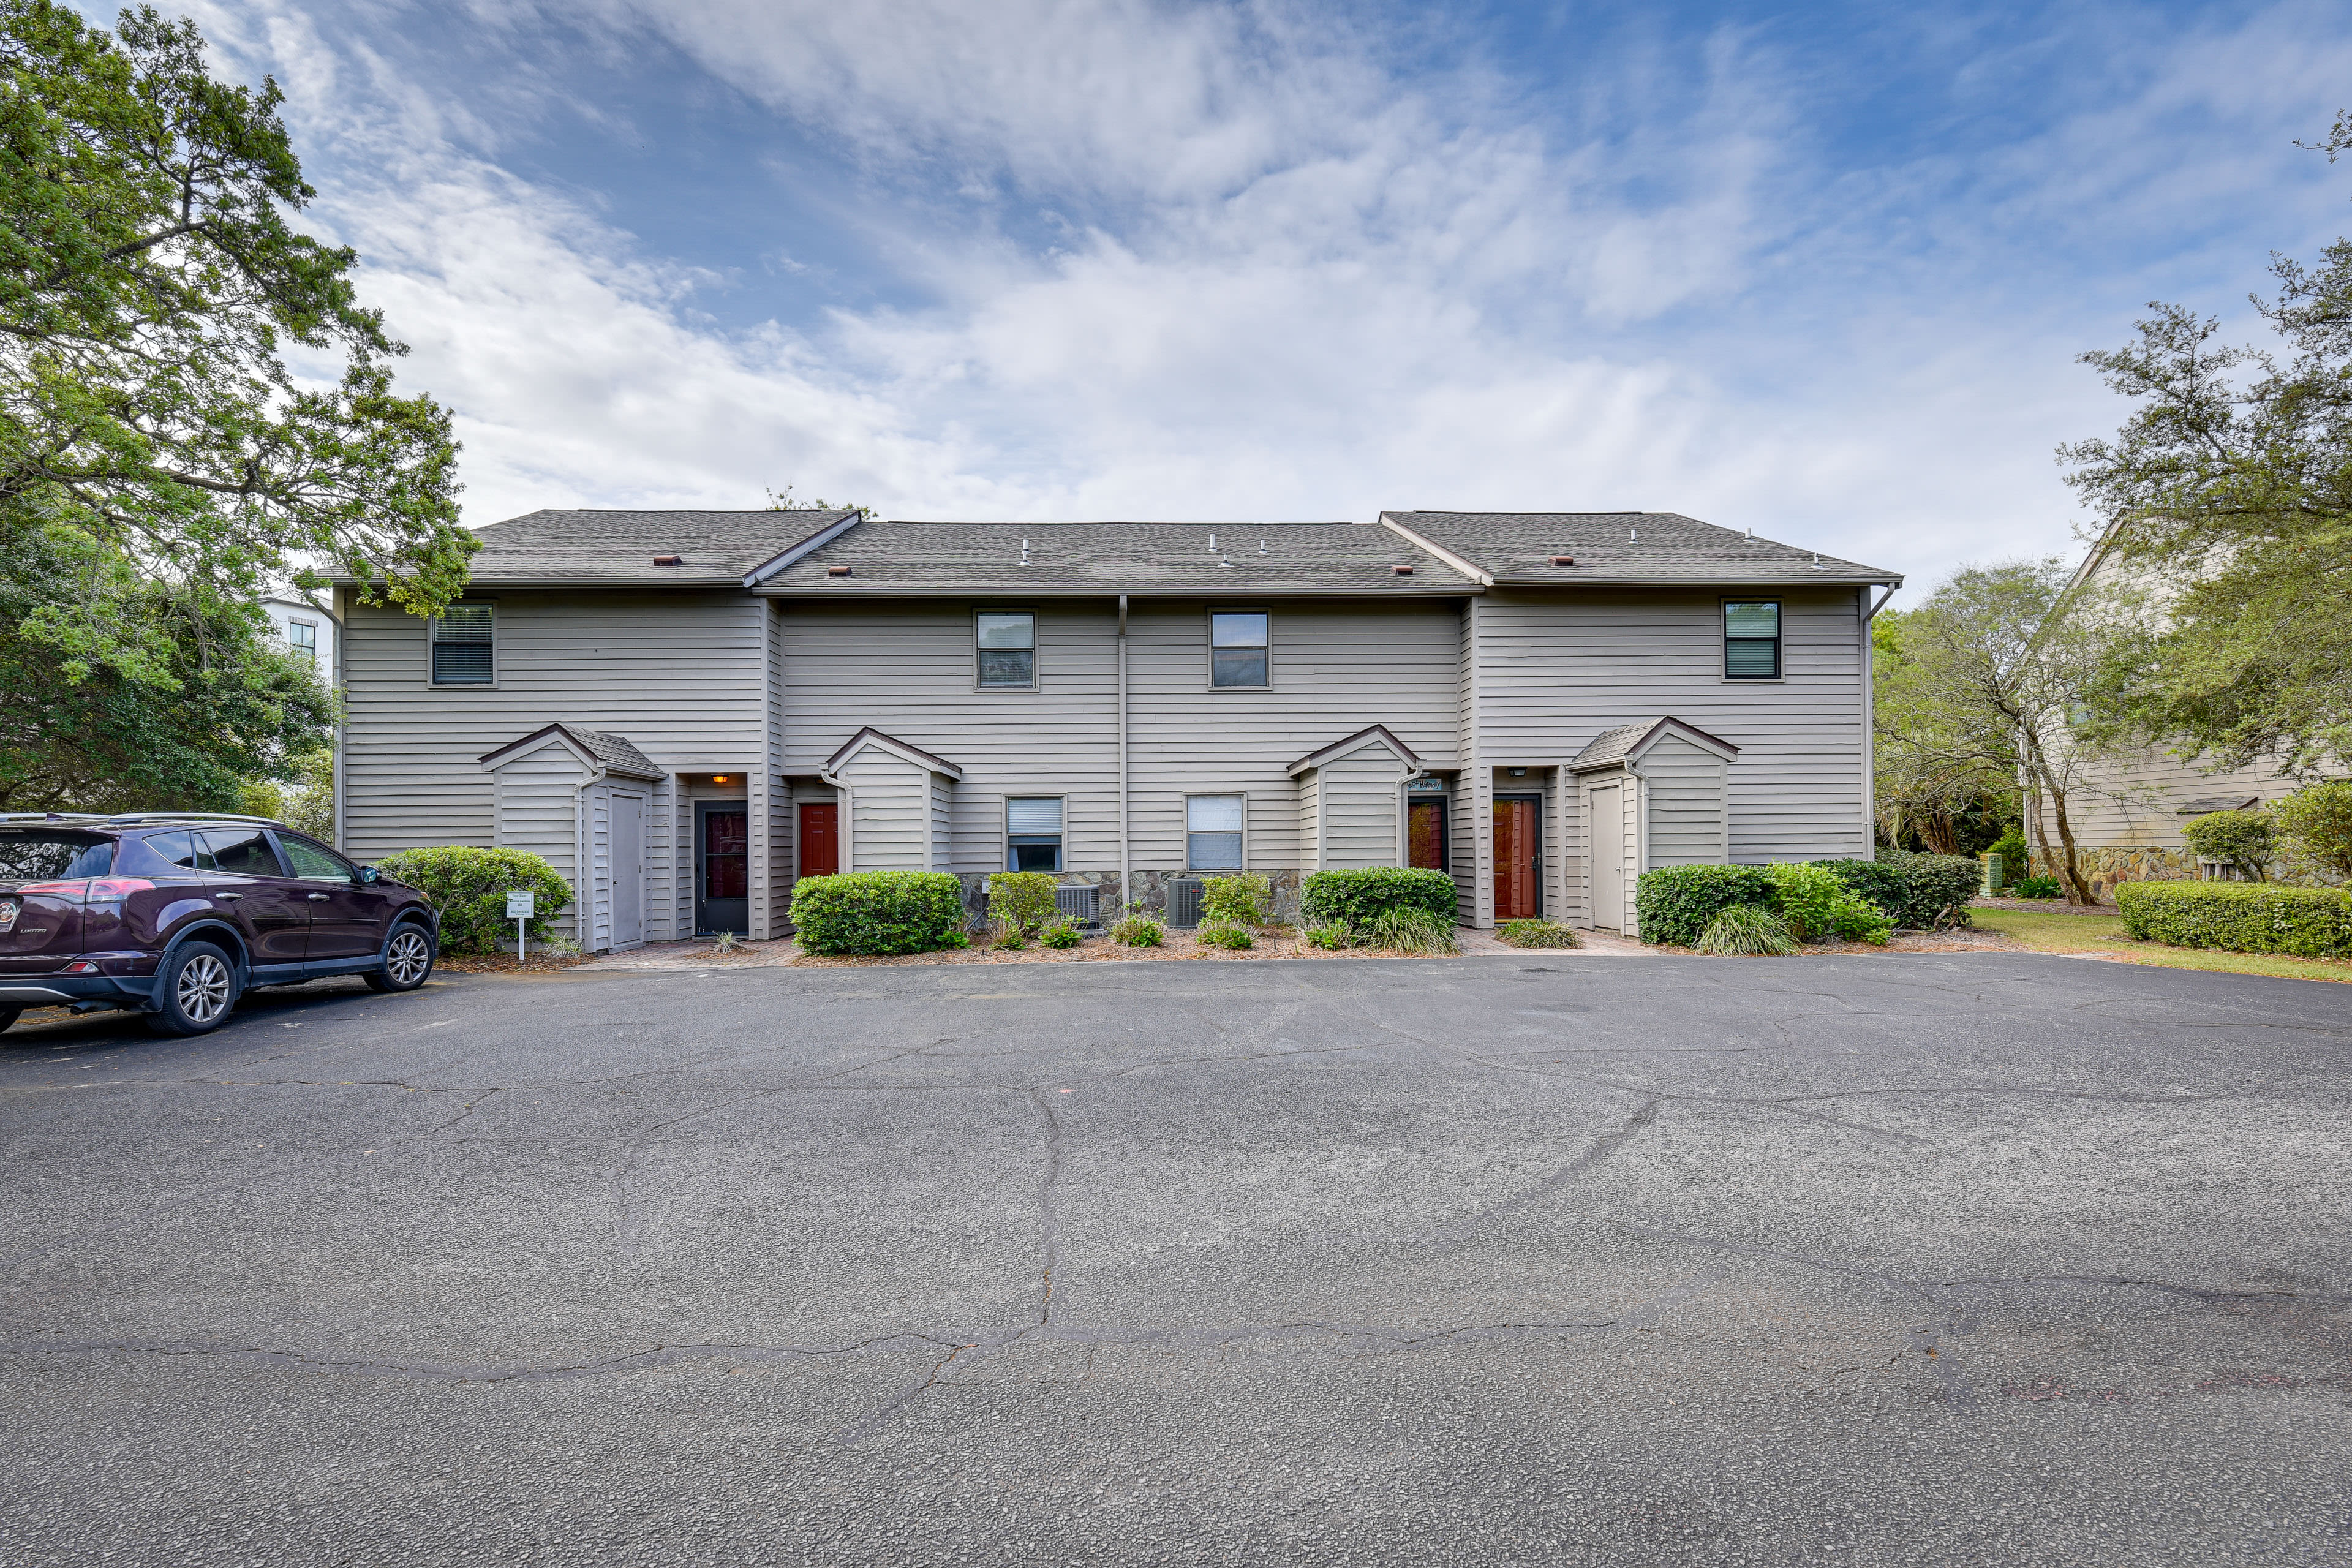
{"x": 1237, "y": 648}
{"x": 1213, "y": 832}
{"x": 1751, "y": 641}
{"x": 1008, "y": 648}
{"x": 1032, "y": 833}
{"x": 462, "y": 645}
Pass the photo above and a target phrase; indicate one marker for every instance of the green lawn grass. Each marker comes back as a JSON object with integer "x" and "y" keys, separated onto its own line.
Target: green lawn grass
{"x": 2104, "y": 934}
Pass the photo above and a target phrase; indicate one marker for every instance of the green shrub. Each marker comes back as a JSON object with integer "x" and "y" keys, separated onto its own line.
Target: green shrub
{"x": 1744, "y": 930}
{"x": 1408, "y": 931}
{"x": 1062, "y": 932}
{"x": 2242, "y": 917}
{"x": 1234, "y": 937}
{"x": 1138, "y": 931}
{"x": 2317, "y": 823}
{"x": 1357, "y": 898}
{"x": 1675, "y": 903}
{"x": 1817, "y": 906}
{"x": 1023, "y": 899}
{"x": 470, "y": 886}
{"x": 1244, "y": 899}
{"x": 879, "y": 912}
{"x": 2016, "y": 857}
{"x": 2035, "y": 887}
{"x": 1936, "y": 889}
{"x": 1336, "y": 937}
{"x": 1882, "y": 885}
{"x": 1537, "y": 933}
{"x": 2241, "y": 839}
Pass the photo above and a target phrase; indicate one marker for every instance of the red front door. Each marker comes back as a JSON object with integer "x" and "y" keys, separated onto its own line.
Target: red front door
{"x": 1519, "y": 860}
{"x": 820, "y": 852}
{"x": 1425, "y": 834}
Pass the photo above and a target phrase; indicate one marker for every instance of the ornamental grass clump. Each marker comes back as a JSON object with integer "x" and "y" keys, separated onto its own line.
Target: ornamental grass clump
{"x": 1138, "y": 931}
{"x": 1234, "y": 938}
{"x": 1537, "y": 933}
{"x": 1336, "y": 937}
{"x": 1408, "y": 931}
{"x": 1743, "y": 930}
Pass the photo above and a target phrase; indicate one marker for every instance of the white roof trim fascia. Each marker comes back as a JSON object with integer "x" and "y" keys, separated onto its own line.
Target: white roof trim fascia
{"x": 1475, "y": 573}
{"x": 903, "y": 751}
{"x": 822, "y": 537}
{"x": 1348, "y": 746}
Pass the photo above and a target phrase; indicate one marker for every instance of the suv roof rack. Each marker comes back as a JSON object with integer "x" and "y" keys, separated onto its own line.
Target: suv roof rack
{"x": 136, "y": 818}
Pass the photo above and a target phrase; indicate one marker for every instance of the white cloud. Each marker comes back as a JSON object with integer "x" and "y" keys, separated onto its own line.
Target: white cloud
{"x": 1289, "y": 284}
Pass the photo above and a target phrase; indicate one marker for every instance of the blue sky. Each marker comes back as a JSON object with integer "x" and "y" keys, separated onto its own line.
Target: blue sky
{"x": 1821, "y": 270}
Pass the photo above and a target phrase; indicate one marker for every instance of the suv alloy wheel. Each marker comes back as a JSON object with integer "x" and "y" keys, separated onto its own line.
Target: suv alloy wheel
{"x": 407, "y": 960}
{"x": 198, "y": 989}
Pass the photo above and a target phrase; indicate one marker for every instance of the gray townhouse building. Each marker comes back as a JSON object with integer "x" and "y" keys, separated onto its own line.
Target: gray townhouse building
{"x": 686, "y": 711}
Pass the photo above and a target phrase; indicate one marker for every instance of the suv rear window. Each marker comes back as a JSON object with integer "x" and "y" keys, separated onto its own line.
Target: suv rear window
{"x": 48, "y": 854}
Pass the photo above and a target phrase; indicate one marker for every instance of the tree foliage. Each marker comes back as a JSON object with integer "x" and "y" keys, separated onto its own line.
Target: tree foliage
{"x": 2228, "y": 492}
{"x": 161, "y": 462}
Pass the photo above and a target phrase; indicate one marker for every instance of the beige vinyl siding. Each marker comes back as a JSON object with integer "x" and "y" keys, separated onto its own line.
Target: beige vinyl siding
{"x": 595, "y": 894}
{"x": 537, "y": 802}
{"x": 890, "y": 805}
{"x": 940, "y": 850}
{"x": 1686, "y": 790}
{"x": 905, "y": 668}
{"x": 678, "y": 673}
{"x": 1362, "y": 794}
{"x": 1555, "y": 669}
{"x": 2131, "y": 803}
{"x": 1310, "y": 825}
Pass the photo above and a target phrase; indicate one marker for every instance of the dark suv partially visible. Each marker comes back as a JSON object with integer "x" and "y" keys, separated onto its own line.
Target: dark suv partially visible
{"x": 176, "y": 915}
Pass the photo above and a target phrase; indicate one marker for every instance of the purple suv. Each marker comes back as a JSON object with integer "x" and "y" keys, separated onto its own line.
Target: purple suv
{"x": 175, "y": 915}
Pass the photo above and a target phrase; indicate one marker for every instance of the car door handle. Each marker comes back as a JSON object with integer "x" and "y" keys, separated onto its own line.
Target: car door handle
{"x": 317, "y": 898}
{"x": 228, "y": 895}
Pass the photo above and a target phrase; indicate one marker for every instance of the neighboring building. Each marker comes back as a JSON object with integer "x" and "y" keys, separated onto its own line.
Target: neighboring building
{"x": 307, "y": 631}
{"x": 686, "y": 710}
{"x": 2126, "y": 812}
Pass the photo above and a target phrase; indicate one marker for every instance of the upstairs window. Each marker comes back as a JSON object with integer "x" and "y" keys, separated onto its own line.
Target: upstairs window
{"x": 1237, "y": 648}
{"x": 302, "y": 640}
{"x": 1751, "y": 641}
{"x": 463, "y": 645}
{"x": 1007, "y": 645}
{"x": 1032, "y": 833}
{"x": 1213, "y": 832}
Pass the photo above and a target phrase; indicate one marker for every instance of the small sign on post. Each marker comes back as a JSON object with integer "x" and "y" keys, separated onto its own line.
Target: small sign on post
{"x": 521, "y": 906}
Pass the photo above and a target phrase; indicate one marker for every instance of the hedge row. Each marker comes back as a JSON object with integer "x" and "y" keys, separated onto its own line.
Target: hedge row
{"x": 1359, "y": 898}
{"x": 470, "y": 886}
{"x": 1675, "y": 904}
{"x": 2242, "y": 917}
{"x": 879, "y": 912}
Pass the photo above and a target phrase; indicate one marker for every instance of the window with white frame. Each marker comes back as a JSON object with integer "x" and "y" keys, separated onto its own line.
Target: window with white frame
{"x": 464, "y": 645}
{"x": 1005, "y": 642}
{"x": 1213, "y": 832}
{"x": 1032, "y": 833}
{"x": 1237, "y": 649}
{"x": 302, "y": 640}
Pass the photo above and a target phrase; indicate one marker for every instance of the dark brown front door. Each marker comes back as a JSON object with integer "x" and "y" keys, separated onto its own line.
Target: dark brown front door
{"x": 820, "y": 841}
{"x": 722, "y": 865}
{"x": 1519, "y": 860}
{"x": 1425, "y": 834}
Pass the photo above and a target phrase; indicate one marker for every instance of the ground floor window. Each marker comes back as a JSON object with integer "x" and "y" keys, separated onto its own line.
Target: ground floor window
{"x": 1032, "y": 833}
{"x": 1213, "y": 832}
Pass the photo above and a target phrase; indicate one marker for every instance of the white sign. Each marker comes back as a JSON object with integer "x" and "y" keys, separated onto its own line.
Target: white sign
{"x": 519, "y": 906}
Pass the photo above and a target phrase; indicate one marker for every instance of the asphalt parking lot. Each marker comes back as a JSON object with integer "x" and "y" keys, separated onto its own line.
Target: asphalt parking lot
{"x": 1966, "y": 1259}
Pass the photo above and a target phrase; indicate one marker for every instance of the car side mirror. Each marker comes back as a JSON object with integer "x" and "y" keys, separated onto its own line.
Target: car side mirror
{"x": 367, "y": 873}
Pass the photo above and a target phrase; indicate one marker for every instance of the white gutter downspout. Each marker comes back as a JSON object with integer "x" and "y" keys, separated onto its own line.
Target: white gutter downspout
{"x": 1126, "y": 872}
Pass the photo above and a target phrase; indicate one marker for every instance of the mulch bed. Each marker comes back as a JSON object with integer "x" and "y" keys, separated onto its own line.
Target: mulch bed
{"x": 2044, "y": 906}
{"x": 504, "y": 962}
{"x": 1180, "y": 946}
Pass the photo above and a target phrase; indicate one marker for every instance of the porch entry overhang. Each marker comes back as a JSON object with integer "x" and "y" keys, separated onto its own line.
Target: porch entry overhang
{"x": 897, "y": 803}
{"x": 1351, "y": 809}
{"x": 588, "y": 803}
{"x": 1656, "y": 792}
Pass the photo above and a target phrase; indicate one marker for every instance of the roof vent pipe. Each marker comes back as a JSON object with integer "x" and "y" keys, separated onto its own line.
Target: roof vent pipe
{"x": 1632, "y": 535}
{"x": 1212, "y": 541}
{"x": 1261, "y": 547}
{"x": 1024, "y": 553}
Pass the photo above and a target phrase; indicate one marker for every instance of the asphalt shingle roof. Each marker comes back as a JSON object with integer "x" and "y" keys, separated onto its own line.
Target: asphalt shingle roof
{"x": 1115, "y": 557}
{"x": 1622, "y": 546}
{"x": 620, "y": 546}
